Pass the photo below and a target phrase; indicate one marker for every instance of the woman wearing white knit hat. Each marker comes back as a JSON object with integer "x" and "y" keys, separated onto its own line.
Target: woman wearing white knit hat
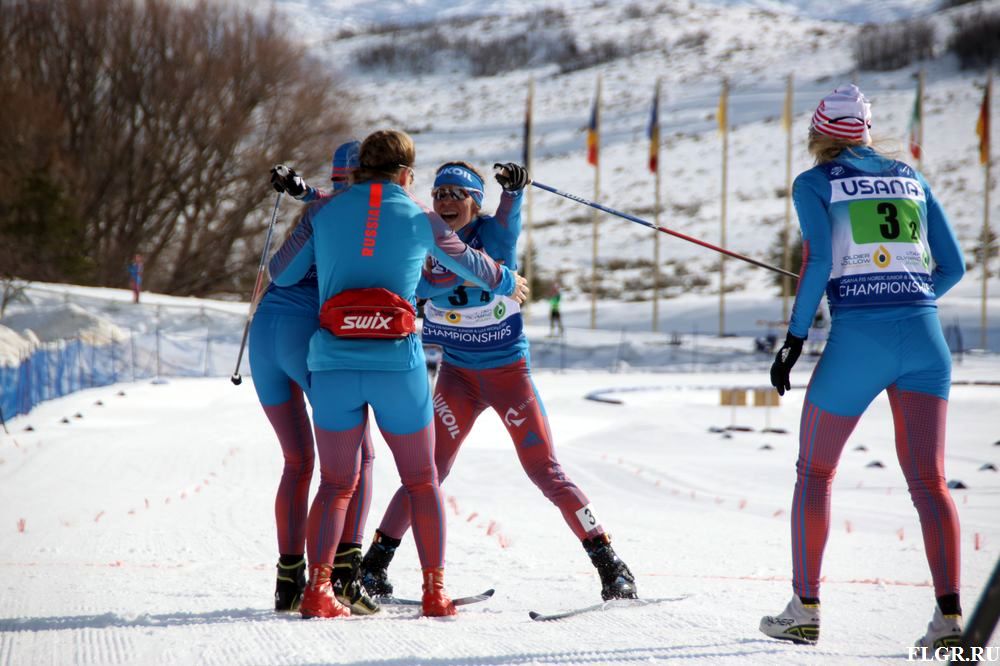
{"x": 870, "y": 229}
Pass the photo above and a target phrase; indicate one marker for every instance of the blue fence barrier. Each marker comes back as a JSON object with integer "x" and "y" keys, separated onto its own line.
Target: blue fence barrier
{"x": 56, "y": 369}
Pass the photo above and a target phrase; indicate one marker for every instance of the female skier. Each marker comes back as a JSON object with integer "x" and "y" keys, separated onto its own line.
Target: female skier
{"x": 368, "y": 245}
{"x": 486, "y": 365}
{"x": 870, "y": 228}
{"x": 283, "y": 322}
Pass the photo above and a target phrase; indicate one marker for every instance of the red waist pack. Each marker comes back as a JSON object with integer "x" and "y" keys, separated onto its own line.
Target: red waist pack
{"x": 368, "y": 313}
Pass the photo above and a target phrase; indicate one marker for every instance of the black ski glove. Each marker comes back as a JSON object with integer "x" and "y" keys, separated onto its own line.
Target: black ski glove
{"x": 511, "y": 176}
{"x": 783, "y": 362}
{"x": 284, "y": 179}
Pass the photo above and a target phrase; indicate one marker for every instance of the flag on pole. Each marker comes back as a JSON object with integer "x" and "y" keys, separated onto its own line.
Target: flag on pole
{"x": 983, "y": 128}
{"x": 594, "y": 128}
{"x": 916, "y": 123}
{"x": 786, "y": 110}
{"x": 722, "y": 114}
{"x": 526, "y": 152}
{"x": 653, "y": 131}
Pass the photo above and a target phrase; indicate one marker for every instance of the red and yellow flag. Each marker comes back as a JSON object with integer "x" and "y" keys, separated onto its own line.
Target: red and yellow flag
{"x": 594, "y": 128}
{"x": 983, "y": 127}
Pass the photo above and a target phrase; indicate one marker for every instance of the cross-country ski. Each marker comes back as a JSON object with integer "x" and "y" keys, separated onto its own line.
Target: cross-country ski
{"x": 606, "y": 605}
{"x": 458, "y": 601}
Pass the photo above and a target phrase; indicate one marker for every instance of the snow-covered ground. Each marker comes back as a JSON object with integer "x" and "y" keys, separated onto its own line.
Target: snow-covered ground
{"x": 142, "y": 532}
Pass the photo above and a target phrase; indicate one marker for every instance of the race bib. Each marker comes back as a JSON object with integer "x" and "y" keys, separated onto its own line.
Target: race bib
{"x": 880, "y": 252}
{"x": 495, "y": 325}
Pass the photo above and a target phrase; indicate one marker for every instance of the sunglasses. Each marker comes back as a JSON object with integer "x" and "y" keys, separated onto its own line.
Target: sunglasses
{"x": 449, "y": 193}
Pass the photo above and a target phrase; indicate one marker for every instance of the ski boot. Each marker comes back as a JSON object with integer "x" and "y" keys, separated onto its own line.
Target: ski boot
{"x": 435, "y": 601}
{"x": 291, "y": 580}
{"x": 943, "y": 631}
{"x": 346, "y": 580}
{"x": 798, "y": 623}
{"x": 318, "y": 600}
{"x": 617, "y": 581}
{"x": 374, "y": 577}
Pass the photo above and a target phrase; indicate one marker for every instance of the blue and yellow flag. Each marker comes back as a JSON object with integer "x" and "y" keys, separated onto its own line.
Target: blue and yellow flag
{"x": 653, "y": 132}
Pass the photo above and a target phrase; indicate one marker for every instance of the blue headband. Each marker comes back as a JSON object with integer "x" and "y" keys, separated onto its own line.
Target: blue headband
{"x": 345, "y": 160}
{"x": 459, "y": 176}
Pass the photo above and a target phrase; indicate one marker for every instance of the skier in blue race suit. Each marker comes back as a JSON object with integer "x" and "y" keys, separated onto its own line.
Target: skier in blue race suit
{"x": 486, "y": 365}
{"x": 877, "y": 241}
{"x": 368, "y": 244}
{"x": 283, "y": 322}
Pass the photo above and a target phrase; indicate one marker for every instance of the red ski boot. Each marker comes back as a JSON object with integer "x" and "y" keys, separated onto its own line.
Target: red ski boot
{"x": 318, "y": 599}
{"x": 435, "y": 602}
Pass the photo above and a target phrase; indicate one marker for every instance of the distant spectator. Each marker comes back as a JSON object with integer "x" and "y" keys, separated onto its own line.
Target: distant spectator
{"x": 135, "y": 277}
{"x": 555, "y": 318}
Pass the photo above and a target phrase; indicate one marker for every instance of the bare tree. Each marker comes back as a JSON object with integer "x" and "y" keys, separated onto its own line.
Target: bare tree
{"x": 149, "y": 127}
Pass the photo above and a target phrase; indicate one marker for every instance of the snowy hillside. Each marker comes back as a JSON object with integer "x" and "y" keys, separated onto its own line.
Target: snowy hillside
{"x": 691, "y": 47}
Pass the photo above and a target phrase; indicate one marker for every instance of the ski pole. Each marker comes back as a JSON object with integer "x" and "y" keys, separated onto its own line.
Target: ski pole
{"x": 236, "y": 379}
{"x": 639, "y": 220}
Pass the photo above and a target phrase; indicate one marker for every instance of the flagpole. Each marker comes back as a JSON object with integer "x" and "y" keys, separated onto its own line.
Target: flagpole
{"x": 656, "y": 215}
{"x": 723, "y": 125}
{"x": 529, "y": 260}
{"x": 920, "y": 115}
{"x": 594, "y": 217}
{"x": 786, "y": 262}
{"x": 986, "y": 207}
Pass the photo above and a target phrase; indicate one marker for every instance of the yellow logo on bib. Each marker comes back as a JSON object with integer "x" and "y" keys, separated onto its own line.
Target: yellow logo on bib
{"x": 453, "y": 317}
{"x": 881, "y": 257}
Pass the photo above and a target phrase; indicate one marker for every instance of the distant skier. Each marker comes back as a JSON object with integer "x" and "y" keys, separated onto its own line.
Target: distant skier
{"x": 870, "y": 228}
{"x": 555, "y": 317}
{"x": 486, "y": 365}
{"x": 368, "y": 245}
{"x": 283, "y": 323}
{"x": 135, "y": 277}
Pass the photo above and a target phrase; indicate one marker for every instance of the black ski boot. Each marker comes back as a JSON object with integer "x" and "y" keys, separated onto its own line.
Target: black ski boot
{"x": 291, "y": 581}
{"x": 617, "y": 582}
{"x": 346, "y": 580}
{"x": 374, "y": 577}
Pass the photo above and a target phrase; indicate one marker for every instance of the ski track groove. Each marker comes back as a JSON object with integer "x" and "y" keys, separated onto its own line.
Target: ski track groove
{"x": 6, "y": 649}
{"x": 102, "y": 646}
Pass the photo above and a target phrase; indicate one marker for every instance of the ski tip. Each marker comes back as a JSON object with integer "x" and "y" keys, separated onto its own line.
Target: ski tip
{"x": 533, "y": 615}
{"x": 489, "y": 592}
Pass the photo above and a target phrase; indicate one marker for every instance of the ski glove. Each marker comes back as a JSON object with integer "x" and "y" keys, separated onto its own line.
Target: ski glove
{"x": 511, "y": 176}
{"x": 284, "y": 179}
{"x": 783, "y": 362}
